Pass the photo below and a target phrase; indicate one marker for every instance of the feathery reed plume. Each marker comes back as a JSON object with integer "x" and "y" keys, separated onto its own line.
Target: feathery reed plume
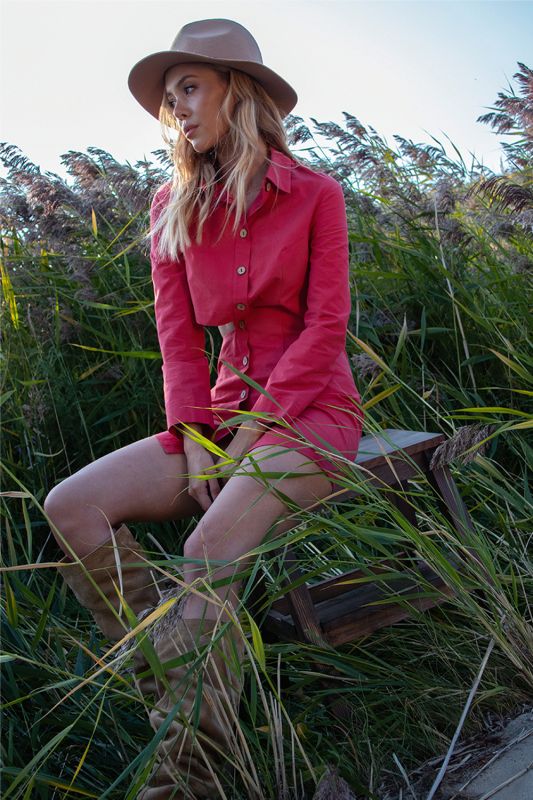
{"x": 354, "y": 126}
{"x": 504, "y": 192}
{"x": 468, "y": 442}
{"x": 444, "y": 199}
{"x": 513, "y": 114}
{"x": 514, "y": 111}
{"x": 297, "y": 130}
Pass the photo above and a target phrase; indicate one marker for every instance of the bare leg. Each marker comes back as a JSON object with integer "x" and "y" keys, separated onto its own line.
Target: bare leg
{"x": 240, "y": 517}
{"x": 139, "y": 482}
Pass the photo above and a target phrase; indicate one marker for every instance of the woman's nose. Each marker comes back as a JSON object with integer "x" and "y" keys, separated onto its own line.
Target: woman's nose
{"x": 178, "y": 110}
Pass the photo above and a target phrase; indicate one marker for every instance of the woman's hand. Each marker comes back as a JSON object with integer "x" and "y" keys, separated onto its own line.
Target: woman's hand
{"x": 247, "y": 434}
{"x": 199, "y": 462}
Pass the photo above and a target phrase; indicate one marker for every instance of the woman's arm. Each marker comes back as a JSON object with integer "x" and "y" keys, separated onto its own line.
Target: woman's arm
{"x": 307, "y": 365}
{"x": 185, "y": 366}
{"x": 182, "y": 341}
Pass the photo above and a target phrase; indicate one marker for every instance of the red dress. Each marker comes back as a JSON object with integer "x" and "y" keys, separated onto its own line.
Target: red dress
{"x": 282, "y": 283}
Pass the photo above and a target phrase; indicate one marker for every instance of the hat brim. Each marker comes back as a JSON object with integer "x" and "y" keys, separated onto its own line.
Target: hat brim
{"x": 146, "y": 79}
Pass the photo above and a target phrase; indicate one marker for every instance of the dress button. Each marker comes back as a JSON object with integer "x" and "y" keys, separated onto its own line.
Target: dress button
{"x": 245, "y": 361}
{"x": 244, "y": 233}
{"x": 241, "y": 270}
{"x": 241, "y": 306}
{"x": 242, "y": 324}
{"x": 268, "y": 186}
{"x": 243, "y": 394}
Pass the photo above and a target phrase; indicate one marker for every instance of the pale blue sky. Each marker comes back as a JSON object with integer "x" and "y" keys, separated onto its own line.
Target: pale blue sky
{"x": 414, "y": 68}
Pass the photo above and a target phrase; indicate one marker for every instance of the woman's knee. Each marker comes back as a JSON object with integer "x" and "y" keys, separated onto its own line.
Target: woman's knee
{"x": 206, "y": 555}
{"x": 72, "y": 519}
{"x": 239, "y": 518}
{"x": 199, "y": 543}
{"x": 61, "y": 503}
{"x": 211, "y": 545}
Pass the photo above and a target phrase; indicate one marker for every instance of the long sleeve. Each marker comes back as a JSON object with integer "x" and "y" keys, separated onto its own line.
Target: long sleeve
{"x": 307, "y": 365}
{"x": 181, "y": 338}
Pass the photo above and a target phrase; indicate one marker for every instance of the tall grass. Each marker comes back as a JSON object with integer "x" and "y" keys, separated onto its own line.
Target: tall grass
{"x": 440, "y": 340}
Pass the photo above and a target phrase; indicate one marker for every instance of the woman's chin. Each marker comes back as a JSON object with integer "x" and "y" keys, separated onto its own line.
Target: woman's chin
{"x": 200, "y": 146}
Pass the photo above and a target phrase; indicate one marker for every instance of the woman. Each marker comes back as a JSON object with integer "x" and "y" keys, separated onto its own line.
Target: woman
{"x": 246, "y": 238}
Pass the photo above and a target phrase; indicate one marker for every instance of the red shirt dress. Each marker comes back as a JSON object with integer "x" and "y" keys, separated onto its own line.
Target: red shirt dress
{"x": 280, "y": 285}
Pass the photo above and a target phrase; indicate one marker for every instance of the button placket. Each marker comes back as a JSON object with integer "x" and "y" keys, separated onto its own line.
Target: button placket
{"x": 241, "y": 301}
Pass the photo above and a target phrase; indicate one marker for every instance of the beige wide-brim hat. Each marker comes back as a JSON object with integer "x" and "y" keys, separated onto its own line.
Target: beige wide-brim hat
{"x": 215, "y": 41}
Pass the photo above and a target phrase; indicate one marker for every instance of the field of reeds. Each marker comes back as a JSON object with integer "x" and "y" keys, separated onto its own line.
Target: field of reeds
{"x": 440, "y": 340}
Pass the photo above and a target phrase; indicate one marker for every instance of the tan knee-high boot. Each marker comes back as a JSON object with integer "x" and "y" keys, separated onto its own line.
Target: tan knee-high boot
{"x": 183, "y": 754}
{"x": 99, "y": 595}
{"x": 202, "y": 717}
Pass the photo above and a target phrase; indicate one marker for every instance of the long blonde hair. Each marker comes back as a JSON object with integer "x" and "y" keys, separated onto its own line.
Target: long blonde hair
{"x": 255, "y": 117}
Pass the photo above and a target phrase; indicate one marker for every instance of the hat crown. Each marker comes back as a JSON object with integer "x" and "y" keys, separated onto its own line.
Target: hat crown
{"x": 215, "y": 41}
{"x": 218, "y": 39}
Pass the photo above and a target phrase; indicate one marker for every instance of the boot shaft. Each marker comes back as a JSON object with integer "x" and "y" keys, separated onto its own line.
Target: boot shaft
{"x": 116, "y": 567}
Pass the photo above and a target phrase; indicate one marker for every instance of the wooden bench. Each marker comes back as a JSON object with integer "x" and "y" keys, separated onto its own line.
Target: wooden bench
{"x": 346, "y": 607}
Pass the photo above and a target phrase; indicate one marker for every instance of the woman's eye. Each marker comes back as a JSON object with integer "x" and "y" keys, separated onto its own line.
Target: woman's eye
{"x": 186, "y": 91}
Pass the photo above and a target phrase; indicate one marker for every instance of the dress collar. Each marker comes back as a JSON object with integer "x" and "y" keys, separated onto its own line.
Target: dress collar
{"x": 279, "y": 173}
{"x": 279, "y": 170}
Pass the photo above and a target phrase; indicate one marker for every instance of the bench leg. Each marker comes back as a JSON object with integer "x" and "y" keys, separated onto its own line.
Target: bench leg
{"x": 453, "y": 508}
{"x": 303, "y": 611}
{"x": 396, "y": 496}
{"x": 450, "y": 500}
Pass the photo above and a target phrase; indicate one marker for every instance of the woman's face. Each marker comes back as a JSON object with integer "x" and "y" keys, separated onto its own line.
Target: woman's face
{"x": 195, "y": 93}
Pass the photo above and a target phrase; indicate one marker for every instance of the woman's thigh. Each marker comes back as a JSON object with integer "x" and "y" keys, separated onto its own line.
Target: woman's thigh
{"x": 267, "y": 490}
{"x": 136, "y": 483}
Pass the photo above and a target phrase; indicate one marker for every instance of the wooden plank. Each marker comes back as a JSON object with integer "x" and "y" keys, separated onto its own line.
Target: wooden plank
{"x": 389, "y": 590}
{"x": 353, "y": 614}
{"x": 394, "y": 459}
{"x": 342, "y": 584}
{"x": 395, "y": 470}
{"x": 383, "y": 475}
{"x": 375, "y": 447}
{"x": 367, "y": 621}
{"x": 335, "y": 585}
{"x": 343, "y": 627}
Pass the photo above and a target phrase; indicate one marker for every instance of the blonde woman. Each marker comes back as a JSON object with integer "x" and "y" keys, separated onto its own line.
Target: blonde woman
{"x": 247, "y": 238}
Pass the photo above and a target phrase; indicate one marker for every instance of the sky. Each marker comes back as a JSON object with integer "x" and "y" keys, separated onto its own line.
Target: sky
{"x": 420, "y": 69}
